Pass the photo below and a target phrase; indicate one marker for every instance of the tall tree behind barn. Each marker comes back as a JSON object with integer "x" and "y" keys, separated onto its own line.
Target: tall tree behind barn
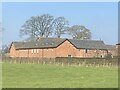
{"x": 79, "y": 32}
{"x": 46, "y": 25}
{"x": 60, "y": 26}
{"x": 38, "y": 26}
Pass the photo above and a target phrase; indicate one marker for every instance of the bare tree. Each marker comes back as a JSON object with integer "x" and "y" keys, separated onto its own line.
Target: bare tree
{"x": 79, "y": 32}
{"x": 60, "y": 26}
{"x": 30, "y": 28}
{"x": 46, "y": 25}
{"x": 38, "y": 26}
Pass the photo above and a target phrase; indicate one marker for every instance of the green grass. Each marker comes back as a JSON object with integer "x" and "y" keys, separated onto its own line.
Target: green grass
{"x": 0, "y": 75}
{"x": 52, "y": 76}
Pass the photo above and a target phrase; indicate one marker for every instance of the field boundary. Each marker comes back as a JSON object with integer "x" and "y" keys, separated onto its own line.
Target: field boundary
{"x": 70, "y": 61}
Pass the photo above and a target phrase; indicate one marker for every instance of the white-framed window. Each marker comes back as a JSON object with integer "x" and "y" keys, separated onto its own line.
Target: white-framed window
{"x": 37, "y": 50}
{"x": 32, "y": 51}
{"x": 94, "y": 50}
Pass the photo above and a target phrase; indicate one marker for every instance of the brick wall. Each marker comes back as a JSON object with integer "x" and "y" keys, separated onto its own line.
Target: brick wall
{"x": 64, "y": 50}
{"x": 118, "y": 49}
{"x": 13, "y": 51}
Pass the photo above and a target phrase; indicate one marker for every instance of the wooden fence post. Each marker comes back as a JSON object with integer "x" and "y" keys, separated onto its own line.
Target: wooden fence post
{"x": 62, "y": 64}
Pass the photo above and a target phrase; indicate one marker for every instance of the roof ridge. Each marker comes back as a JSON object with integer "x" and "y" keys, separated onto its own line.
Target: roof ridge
{"x": 86, "y": 40}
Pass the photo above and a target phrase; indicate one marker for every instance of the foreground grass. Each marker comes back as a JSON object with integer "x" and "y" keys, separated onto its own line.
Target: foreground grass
{"x": 0, "y": 75}
{"x": 52, "y": 76}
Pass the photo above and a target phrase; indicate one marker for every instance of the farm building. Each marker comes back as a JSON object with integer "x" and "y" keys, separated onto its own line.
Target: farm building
{"x": 118, "y": 48}
{"x": 57, "y": 47}
{"x": 112, "y": 49}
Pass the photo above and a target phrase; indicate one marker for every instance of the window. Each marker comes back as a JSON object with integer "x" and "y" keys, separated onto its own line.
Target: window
{"x": 52, "y": 43}
{"x": 86, "y": 50}
{"x": 46, "y": 43}
{"x": 69, "y": 55}
{"x": 42, "y": 43}
{"x": 36, "y": 44}
{"x": 37, "y": 50}
{"x": 32, "y": 51}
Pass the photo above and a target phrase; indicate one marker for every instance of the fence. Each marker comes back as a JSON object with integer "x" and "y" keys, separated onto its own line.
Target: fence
{"x": 65, "y": 61}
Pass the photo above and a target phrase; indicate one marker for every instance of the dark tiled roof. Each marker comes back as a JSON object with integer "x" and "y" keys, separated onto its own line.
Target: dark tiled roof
{"x": 54, "y": 42}
{"x": 41, "y": 43}
{"x": 92, "y": 44}
{"x": 118, "y": 44}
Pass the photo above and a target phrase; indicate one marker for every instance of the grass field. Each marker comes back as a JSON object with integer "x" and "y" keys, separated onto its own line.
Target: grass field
{"x": 52, "y": 76}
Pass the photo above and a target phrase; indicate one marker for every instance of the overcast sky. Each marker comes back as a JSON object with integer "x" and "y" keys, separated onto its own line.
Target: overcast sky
{"x": 100, "y": 18}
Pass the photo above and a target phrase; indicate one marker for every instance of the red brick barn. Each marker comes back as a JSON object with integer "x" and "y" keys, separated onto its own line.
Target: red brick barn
{"x": 57, "y": 47}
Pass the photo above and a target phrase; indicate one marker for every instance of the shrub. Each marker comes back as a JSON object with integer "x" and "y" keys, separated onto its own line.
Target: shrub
{"x": 108, "y": 56}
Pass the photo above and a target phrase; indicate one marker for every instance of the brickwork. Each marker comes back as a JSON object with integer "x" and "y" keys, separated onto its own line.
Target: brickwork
{"x": 66, "y": 49}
